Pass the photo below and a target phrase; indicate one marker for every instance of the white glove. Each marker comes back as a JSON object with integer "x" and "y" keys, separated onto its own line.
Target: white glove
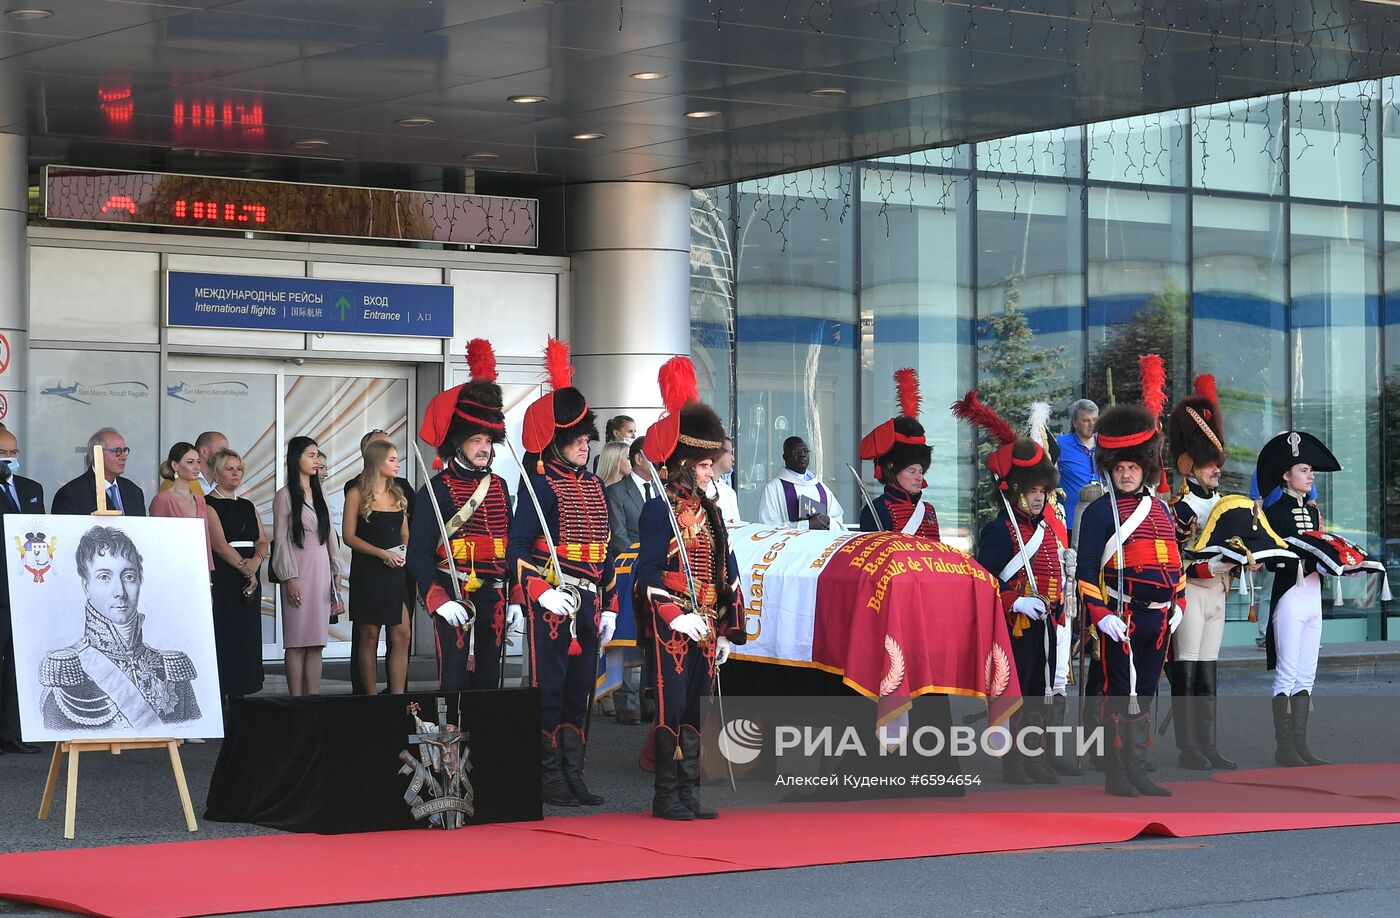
{"x": 454, "y": 613}
{"x": 1175, "y": 620}
{"x": 515, "y": 617}
{"x": 691, "y": 625}
{"x": 1218, "y": 566}
{"x": 1032, "y": 607}
{"x": 722, "y": 650}
{"x": 606, "y": 628}
{"x": 1111, "y": 626}
{"x": 558, "y": 602}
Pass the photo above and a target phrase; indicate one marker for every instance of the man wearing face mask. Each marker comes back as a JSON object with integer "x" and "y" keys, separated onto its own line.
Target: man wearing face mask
{"x": 17, "y": 495}
{"x": 560, "y": 558}
{"x": 797, "y": 497}
{"x": 465, "y": 424}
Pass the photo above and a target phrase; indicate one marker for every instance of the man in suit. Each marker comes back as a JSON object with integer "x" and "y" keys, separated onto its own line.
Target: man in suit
{"x": 79, "y": 496}
{"x": 625, "y": 500}
{"x": 17, "y": 495}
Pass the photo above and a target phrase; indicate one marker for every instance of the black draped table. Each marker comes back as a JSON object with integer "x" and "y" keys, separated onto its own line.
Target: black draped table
{"x": 330, "y": 763}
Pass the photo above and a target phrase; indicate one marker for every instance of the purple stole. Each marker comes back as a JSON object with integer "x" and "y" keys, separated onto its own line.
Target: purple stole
{"x": 790, "y": 495}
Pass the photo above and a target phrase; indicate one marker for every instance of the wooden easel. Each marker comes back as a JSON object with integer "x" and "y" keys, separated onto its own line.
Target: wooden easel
{"x": 74, "y": 748}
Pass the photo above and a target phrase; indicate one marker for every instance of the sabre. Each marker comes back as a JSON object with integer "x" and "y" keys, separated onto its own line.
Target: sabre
{"x": 694, "y": 596}
{"x": 1035, "y": 589}
{"x": 860, "y": 486}
{"x": 553, "y": 576}
{"x": 446, "y": 542}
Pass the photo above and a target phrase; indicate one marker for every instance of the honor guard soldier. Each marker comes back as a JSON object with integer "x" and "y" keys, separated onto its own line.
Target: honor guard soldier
{"x": 1196, "y": 443}
{"x": 1130, "y": 581}
{"x": 687, "y": 578}
{"x": 558, "y": 554}
{"x": 1294, "y": 637}
{"x": 464, "y": 424}
{"x": 1021, "y": 548}
{"x": 901, "y": 455}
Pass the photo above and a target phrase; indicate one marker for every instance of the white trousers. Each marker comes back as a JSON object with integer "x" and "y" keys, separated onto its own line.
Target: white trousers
{"x": 1298, "y": 636}
{"x": 1202, "y": 625}
{"x": 1062, "y": 642}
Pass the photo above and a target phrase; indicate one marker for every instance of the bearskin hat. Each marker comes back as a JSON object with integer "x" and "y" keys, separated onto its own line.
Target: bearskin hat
{"x": 472, "y": 408}
{"x": 1019, "y": 463}
{"x": 1129, "y": 433}
{"x": 1195, "y": 429}
{"x": 690, "y": 431}
{"x": 899, "y": 442}
{"x": 561, "y": 414}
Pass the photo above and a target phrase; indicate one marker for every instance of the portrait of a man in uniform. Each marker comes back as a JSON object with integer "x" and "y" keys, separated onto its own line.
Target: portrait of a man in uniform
{"x": 111, "y": 678}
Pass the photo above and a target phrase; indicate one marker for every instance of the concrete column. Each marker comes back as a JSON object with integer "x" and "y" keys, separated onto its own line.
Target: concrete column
{"x": 14, "y": 280}
{"x": 629, "y": 243}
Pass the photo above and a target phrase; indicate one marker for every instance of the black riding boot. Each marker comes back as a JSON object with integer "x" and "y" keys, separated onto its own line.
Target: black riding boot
{"x": 1139, "y": 736}
{"x": 556, "y": 792}
{"x": 1302, "y": 703}
{"x": 1115, "y": 759}
{"x": 1181, "y": 674}
{"x": 688, "y": 770}
{"x": 1013, "y": 764}
{"x": 571, "y": 755}
{"x": 1205, "y": 701}
{"x": 1061, "y": 764}
{"x": 665, "y": 800}
{"x": 1037, "y": 767}
{"x": 1285, "y": 753}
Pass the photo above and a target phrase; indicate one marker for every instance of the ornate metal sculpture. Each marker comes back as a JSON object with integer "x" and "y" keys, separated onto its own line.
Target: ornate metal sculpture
{"x": 439, "y": 771}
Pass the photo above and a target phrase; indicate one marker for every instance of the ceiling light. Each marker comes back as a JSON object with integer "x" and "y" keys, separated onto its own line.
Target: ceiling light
{"x": 650, "y": 75}
{"x": 28, "y": 15}
{"x": 415, "y": 122}
{"x": 589, "y": 135}
{"x": 311, "y": 144}
{"x": 480, "y": 157}
{"x": 527, "y": 100}
{"x": 702, "y": 114}
{"x": 826, "y": 92}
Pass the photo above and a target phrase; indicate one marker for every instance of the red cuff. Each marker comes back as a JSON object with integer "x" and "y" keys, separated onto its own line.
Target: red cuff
{"x": 537, "y": 587}
{"x": 1008, "y": 599}
{"x": 436, "y": 597}
{"x": 668, "y": 611}
{"x": 1097, "y": 611}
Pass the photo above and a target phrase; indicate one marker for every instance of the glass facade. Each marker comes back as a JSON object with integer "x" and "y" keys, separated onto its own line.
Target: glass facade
{"x": 1256, "y": 240}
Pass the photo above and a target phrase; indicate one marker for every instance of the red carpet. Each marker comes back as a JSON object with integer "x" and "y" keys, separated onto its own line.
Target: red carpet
{"x": 290, "y": 871}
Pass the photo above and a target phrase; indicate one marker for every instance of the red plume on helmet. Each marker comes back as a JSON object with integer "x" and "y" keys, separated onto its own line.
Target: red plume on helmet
{"x": 1019, "y": 463}
{"x": 481, "y": 360}
{"x": 899, "y": 442}
{"x": 560, "y": 415}
{"x": 1154, "y": 383}
{"x": 689, "y": 431}
{"x": 467, "y": 410}
{"x": 1196, "y": 428}
{"x": 557, "y": 365}
{"x": 1205, "y": 387}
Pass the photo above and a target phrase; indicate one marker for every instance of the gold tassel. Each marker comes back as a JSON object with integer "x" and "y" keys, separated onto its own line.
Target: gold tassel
{"x": 473, "y": 582}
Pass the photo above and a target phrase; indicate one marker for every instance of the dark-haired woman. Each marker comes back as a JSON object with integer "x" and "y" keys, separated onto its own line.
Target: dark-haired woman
{"x": 307, "y": 561}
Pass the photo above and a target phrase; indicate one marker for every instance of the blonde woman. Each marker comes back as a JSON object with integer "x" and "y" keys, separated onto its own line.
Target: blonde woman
{"x": 612, "y": 462}
{"x": 237, "y": 590}
{"x": 376, "y": 529}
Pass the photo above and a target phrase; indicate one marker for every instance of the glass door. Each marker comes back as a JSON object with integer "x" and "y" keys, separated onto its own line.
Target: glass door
{"x": 259, "y": 405}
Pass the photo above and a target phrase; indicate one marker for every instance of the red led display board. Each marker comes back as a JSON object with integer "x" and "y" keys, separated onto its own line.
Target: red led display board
{"x": 288, "y": 208}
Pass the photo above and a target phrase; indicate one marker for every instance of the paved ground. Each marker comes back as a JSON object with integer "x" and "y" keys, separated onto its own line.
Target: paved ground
{"x": 130, "y": 800}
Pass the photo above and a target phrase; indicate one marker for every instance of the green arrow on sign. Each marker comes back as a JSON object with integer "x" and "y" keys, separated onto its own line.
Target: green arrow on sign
{"x": 342, "y": 304}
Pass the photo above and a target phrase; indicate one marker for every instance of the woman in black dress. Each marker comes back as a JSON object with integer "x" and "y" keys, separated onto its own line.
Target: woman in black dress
{"x": 237, "y": 589}
{"x": 376, "y": 529}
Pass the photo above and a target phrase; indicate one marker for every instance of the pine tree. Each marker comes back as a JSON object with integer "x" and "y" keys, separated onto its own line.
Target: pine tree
{"x": 1012, "y": 373}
